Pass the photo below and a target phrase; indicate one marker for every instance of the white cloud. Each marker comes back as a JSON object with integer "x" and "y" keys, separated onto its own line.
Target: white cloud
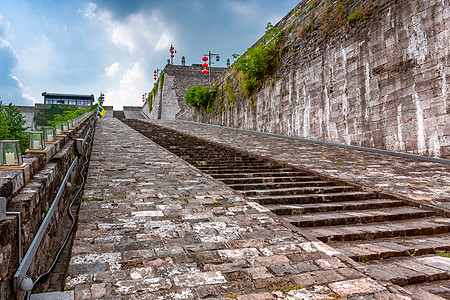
{"x": 245, "y": 9}
{"x": 139, "y": 33}
{"x": 130, "y": 88}
{"x": 112, "y": 69}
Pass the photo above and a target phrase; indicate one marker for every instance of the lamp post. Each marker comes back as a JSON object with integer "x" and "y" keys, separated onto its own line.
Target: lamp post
{"x": 156, "y": 73}
{"x": 205, "y": 58}
{"x": 144, "y": 96}
{"x": 172, "y": 51}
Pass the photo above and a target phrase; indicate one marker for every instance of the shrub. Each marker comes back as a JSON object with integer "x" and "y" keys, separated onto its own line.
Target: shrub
{"x": 199, "y": 96}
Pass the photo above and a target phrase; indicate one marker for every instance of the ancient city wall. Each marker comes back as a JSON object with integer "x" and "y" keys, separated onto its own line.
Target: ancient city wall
{"x": 167, "y": 98}
{"x": 382, "y": 83}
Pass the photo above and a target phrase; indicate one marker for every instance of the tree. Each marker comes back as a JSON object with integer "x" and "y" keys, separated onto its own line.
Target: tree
{"x": 12, "y": 125}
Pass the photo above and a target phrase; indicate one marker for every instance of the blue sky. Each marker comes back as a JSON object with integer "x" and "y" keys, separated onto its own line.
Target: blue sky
{"x": 84, "y": 47}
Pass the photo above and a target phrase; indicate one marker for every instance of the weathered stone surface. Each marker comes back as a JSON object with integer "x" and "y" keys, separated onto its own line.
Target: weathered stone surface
{"x": 382, "y": 84}
{"x": 144, "y": 242}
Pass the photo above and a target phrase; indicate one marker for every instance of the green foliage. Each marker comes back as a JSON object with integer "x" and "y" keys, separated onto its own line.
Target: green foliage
{"x": 71, "y": 114}
{"x": 12, "y": 126}
{"x": 199, "y": 96}
{"x": 261, "y": 61}
{"x": 150, "y": 102}
{"x": 337, "y": 15}
{"x": 161, "y": 82}
{"x": 152, "y": 95}
{"x": 43, "y": 116}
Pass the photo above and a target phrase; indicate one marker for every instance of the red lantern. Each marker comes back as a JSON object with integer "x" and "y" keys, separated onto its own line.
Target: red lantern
{"x": 171, "y": 48}
{"x": 205, "y": 71}
{"x": 205, "y": 65}
{"x": 172, "y": 52}
{"x": 204, "y": 58}
{"x": 154, "y": 72}
{"x": 171, "y": 55}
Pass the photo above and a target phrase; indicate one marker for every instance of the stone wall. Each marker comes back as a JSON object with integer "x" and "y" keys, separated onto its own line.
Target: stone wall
{"x": 133, "y": 112}
{"x": 384, "y": 83}
{"x": 30, "y": 192}
{"x": 28, "y": 113}
{"x": 168, "y": 101}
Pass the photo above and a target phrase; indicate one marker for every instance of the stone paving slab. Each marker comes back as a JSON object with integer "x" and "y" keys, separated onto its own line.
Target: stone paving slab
{"x": 426, "y": 182}
{"x": 151, "y": 226}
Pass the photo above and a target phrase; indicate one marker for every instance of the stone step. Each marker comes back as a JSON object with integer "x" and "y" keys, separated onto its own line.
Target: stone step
{"x": 365, "y": 251}
{"x": 333, "y": 206}
{"x": 66, "y": 295}
{"x": 248, "y": 170}
{"x": 236, "y": 166}
{"x": 256, "y": 180}
{"x": 279, "y": 185}
{"x": 299, "y": 190}
{"x": 424, "y": 226}
{"x": 358, "y": 217}
{"x": 257, "y": 174}
{"x": 220, "y": 161}
{"x": 312, "y": 198}
{"x": 407, "y": 271}
{"x": 438, "y": 290}
{"x": 223, "y": 158}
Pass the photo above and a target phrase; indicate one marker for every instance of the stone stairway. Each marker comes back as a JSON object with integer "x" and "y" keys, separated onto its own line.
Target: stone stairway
{"x": 396, "y": 242}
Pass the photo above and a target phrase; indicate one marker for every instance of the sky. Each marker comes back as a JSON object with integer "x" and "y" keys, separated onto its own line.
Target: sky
{"x": 114, "y": 46}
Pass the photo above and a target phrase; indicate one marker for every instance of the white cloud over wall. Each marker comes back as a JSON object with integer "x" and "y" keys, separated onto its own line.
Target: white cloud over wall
{"x": 139, "y": 35}
{"x": 128, "y": 91}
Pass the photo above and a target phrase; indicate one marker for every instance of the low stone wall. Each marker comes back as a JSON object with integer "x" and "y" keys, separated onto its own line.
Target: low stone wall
{"x": 31, "y": 195}
{"x": 133, "y": 112}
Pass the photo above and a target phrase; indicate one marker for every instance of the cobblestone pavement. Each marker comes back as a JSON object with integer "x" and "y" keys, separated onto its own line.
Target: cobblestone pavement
{"x": 152, "y": 226}
{"x": 422, "y": 181}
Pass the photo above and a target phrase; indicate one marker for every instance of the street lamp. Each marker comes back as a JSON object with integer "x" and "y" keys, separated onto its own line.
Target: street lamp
{"x": 144, "y": 96}
{"x": 156, "y": 73}
{"x": 205, "y": 58}
{"x": 172, "y": 51}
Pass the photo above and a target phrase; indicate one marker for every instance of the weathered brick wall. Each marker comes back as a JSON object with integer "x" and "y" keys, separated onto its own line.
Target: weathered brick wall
{"x": 33, "y": 201}
{"x": 384, "y": 85}
{"x": 133, "y": 112}
{"x": 169, "y": 100}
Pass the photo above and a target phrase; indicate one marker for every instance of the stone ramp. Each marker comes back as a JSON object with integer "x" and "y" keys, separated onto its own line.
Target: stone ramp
{"x": 152, "y": 226}
{"x": 426, "y": 183}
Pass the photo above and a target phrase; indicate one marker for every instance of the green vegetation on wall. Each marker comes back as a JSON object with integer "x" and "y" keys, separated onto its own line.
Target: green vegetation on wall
{"x": 12, "y": 126}
{"x": 71, "y": 114}
{"x": 308, "y": 27}
{"x": 199, "y": 96}
{"x": 260, "y": 62}
{"x": 329, "y": 16}
{"x": 43, "y": 115}
{"x": 152, "y": 95}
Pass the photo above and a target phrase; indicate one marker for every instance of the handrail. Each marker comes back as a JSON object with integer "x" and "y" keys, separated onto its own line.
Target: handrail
{"x": 21, "y": 280}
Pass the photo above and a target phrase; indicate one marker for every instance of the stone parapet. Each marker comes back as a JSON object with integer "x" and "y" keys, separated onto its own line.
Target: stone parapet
{"x": 30, "y": 193}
